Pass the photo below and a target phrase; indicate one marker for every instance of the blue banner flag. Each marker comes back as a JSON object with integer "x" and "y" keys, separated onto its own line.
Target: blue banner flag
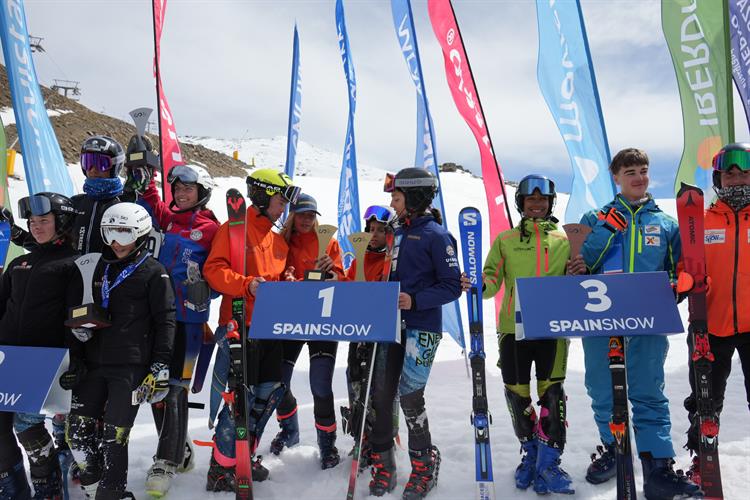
{"x": 426, "y": 154}
{"x": 739, "y": 33}
{"x": 43, "y": 161}
{"x": 295, "y": 109}
{"x": 348, "y": 191}
{"x": 567, "y": 81}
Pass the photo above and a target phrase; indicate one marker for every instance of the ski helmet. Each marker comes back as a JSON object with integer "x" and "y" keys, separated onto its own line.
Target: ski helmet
{"x": 102, "y": 153}
{"x": 380, "y": 213}
{"x": 418, "y": 185}
{"x": 125, "y": 223}
{"x": 192, "y": 174}
{"x": 535, "y": 182}
{"x": 45, "y": 203}
{"x": 263, "y": 183}
{"x": 736, "y": 154}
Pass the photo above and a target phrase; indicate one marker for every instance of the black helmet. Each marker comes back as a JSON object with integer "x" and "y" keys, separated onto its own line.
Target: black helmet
{"x": 103, "y": 153}
{"x": 45, "y": 203}
{"x": 536, "y": 182}
{"x": 418, "y": 185}
{"x": 736, "y": 154}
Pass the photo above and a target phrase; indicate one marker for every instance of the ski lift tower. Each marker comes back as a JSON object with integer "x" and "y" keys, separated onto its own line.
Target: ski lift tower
{"x": 68, "y": 88}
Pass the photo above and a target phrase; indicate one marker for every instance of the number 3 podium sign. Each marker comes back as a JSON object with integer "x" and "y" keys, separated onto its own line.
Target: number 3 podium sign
{"x": 596, "y": 306}
{"x": 327, "y": 310}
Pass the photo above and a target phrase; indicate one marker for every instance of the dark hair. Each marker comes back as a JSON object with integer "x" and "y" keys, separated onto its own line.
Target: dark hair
{"x": 438, "y": 216}
{"x": 628, "y": 157}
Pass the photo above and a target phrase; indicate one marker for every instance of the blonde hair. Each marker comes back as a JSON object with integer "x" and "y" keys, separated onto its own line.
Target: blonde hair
{"x": 288, "y": 228}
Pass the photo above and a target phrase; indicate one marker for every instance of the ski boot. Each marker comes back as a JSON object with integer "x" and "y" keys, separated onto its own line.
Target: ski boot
{"x": 288, "y": 436}
{"x": 425, "y": 466}
{"x": 526, "y": 470}
{"x": 89, "y": 490}
{"x": 694, "y": 472}
{"x": 188, "y": 460}
{"x": 13, "y": 483}
{"x": 159, "y": 477}
{"x": 259, "y": 472}
{"x": 219, "y": 478}
{"x": 383, "y": 472}
{"x": 49, "y": 486}
{"x": 604, "y": 467}
{"x": 104, "y": 494}
{"x": 550, "y": 477}
{"x": 329, "y": 454}
{"x": 660, "y": 482}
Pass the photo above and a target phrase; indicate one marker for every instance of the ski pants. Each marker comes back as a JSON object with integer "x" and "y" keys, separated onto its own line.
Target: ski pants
{"x": 723, "y": 349}
{"x": 644, "y": 362}
{"x": 105, "y": 394}
{"x": 171, "y": 414}
{"x": 549, "y": 357}
{"x": 404, "y": 367}
{"x": 322, "y": 364}
{"x": 35, "y": 439}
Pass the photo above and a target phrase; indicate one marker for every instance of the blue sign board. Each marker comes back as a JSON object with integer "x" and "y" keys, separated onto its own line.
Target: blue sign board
{"x": 599, "y": 305}
{"x": 327, "y": 310}
{"x": 29, "y": 380}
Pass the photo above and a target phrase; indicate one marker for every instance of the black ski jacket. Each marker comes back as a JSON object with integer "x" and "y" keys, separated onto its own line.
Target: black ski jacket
{"x": 86, "y": 235}
{"x": 141, "y": 310}
{"x": 33, "y": 303}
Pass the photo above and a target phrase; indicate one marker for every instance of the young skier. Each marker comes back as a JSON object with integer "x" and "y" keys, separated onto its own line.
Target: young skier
{"x": 727, "y": 247}
{"x": 533, "y": 248}
{"x": 189, "y": 229}
{"x": 33, "y": 307}
{"x": 111, "y": 366}
{"x": 633, "y": 213}
{"x": 266, "y": 253}
{"x": 301, "y": 235}
{"x": 426, "y": 266}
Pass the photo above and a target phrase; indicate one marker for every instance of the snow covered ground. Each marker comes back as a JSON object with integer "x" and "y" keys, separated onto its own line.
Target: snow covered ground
{"x": 296, "y": 473}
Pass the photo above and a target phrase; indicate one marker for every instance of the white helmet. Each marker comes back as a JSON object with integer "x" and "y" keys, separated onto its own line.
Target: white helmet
{"x": 124, "y": 223}
{"x": 193, "y": 174}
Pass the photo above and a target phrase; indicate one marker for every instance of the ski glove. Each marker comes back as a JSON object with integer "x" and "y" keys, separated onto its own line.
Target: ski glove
{"x": 137, "y": 179}
{"x": 613, "y": 220}
{"x": 6, "y": 215}
{"x": 154, "y": 387}
{"x": 82, "y": 334}
{"x": 74, "y": 375}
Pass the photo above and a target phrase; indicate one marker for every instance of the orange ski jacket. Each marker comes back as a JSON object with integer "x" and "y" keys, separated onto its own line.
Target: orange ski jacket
{"x": 303, "y": 252}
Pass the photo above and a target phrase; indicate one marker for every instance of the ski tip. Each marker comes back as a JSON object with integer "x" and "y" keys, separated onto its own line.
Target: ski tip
{"x": 687, "y": 188}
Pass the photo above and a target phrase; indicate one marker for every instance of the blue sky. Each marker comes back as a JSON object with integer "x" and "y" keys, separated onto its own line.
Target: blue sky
{"x": 226, "y": 69}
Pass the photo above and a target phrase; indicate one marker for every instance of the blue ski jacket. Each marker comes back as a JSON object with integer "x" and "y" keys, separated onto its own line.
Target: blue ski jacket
{"x": 426, "y": 265}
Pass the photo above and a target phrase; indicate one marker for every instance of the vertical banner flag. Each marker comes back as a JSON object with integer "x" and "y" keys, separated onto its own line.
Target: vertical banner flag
{"x": 42, "y": 159}
{"x": 698, "y": 41}
{"x": 466, "y": 98}
{"x": 426, "y": 154}
{"x": 567, "y": 81}
{"x": 169, "y": 149}
{"x": 295, "y": 109}
{"x": 14, "y": 250}
{"x": 739, "y": 31}
{"x": 348, "y": 190}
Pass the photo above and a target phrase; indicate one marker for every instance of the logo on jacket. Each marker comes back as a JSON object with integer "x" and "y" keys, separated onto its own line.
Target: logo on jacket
{"x": 652, "y": 241}
{"x": 713, "y": 236}
{"x": 449, "y": 250}
{"x": 652, "y": 229}
{"x": 196, "y": 235}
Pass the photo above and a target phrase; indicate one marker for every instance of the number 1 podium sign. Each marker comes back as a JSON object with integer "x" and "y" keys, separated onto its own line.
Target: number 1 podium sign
{"x": 602, "y": 305}
{"x": 327, "y": 310}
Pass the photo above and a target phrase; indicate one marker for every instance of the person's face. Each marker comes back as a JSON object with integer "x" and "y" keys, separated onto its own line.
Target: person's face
{"x": 185, "y": 195}
{"x": 42, "y": 227}
{"x": 633, "y": 181}
{"x": 95, "y": 173}
{"x": 377, "y": 230}
{"x": 304, "y": 221}
{"x": 398, "y": 203}
{"x": 276, "y": 207}
{"x": 535, "y": 205}
{"x": 122, "y": 251}
{"x": 735, "y": 177}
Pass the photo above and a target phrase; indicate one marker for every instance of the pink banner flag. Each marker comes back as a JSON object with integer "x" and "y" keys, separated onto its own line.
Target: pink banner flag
{"x": 169, "y": 149}
{"x": 461, "y": 83}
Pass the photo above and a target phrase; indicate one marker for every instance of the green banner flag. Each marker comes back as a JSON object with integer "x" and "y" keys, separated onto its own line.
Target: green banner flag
{"x": 14, "y": 251}
{"x": 698, "y": 38}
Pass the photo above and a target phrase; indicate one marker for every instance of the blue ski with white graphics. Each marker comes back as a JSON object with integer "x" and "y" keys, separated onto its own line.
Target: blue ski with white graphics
{"x": 470, "y": 224}
{"x": 4, "y": 242}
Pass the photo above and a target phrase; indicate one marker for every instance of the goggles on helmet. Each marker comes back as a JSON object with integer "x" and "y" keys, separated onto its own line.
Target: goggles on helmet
{"x": 390, "y": 183}
{"x": 122, "y": 235}
{"x": 97, "y": 161}
{"x": 291, "y": 193}
{"x": 725, "y": 160}
{"x": 182, "y": 173}
{"x": 545, "y": 186}
{"x": 34, "y": 205}
{"x": 380, "y": 214}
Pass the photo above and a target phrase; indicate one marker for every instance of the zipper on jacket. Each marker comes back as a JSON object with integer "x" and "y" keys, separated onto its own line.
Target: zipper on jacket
{"x": 91, "y": 228}
{"x": 640, "y": 239}
{"x": 538, "y": 251}
{"x": 734, "y": 271}
{"x": 546, "y": 260}
{"x": 510, "y": 300}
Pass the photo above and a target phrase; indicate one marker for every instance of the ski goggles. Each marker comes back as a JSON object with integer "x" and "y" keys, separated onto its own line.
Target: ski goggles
{"x": 34, "y": 205}
{"x": 380, "y": 214}
{"x": 122, "y": 235}
{"x": 391, "y": 183}
{"x": 98, "y": 161}
{"x": 291, "y": 193}
{"x": 182, "y": 173}
{"x": 725, "y": 160}
{"x": 545, "y": 186}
